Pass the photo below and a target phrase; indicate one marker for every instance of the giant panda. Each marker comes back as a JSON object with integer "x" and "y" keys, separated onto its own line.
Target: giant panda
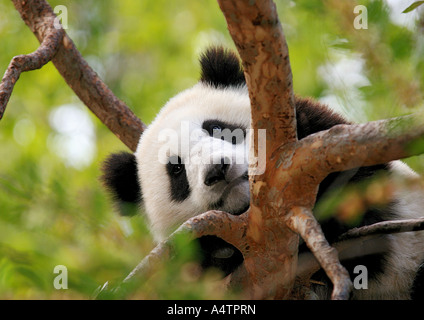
{"x": 163, "y": 179}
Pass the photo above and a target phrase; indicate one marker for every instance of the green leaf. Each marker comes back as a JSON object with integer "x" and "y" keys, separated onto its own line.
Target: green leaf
{"x": 413, "y": 6}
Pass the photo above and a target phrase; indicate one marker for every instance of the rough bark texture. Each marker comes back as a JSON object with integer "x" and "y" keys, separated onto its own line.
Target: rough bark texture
{"x": 385, "y": 227}
{"x": 303, "y": 222}
{"x": 83, "y": 80}
{"x": 345, "y": 147}
{"x": 271, "y": 259}
{"x": 259, "y": 38}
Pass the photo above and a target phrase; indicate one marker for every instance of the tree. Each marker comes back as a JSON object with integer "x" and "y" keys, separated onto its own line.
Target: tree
{"x": 259, "y": 38}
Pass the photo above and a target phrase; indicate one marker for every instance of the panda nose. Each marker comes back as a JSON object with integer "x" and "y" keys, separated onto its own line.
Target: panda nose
{"x": 216, "y": 173}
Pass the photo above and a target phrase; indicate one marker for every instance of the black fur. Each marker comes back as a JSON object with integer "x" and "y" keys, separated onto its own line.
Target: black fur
{"x": 180, "y": 188}
{"x": 313, "y": 117}
{"x": 235, "y": 134}
{"x": 208, "y": 245}
{"x": 221, "y": 68}
{"x": 120, "y": 178}
{"x": 418, "y": 286}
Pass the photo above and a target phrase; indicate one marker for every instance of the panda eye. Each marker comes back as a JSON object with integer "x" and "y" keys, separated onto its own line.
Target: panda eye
{"x": 229, "y": 132}
{"x": 175, "y": 164}
{"x": 177, "y": 168}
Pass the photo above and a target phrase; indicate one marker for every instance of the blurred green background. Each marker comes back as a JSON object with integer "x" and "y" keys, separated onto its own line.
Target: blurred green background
{"x": 54, "y": 211}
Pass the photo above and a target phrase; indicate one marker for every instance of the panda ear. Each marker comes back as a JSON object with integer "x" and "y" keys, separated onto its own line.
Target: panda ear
{"x": 221, "y": 68}
{"x": 121, "y": 179}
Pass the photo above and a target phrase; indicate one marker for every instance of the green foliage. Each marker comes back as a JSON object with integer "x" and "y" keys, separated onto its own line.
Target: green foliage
{"x": 413, "y": 6}
{"x": 54, "y": 211}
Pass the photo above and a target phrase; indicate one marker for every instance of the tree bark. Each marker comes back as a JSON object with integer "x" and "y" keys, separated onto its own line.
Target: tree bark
{"x": 272, "y": 236}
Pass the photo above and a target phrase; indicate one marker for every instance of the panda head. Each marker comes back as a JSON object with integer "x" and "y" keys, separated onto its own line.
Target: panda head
{"x": 193, "y": 157}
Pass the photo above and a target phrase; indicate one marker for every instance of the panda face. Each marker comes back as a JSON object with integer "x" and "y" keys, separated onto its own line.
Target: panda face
{"x": 193, "y": 157}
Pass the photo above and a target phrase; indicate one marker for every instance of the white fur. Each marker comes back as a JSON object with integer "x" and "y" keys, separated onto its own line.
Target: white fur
{"x": 196, "y": 104}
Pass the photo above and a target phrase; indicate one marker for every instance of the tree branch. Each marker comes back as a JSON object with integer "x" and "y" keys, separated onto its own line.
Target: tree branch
{"x": 218, "y": 223}
{"x": 224, "y": 225}
{"x": 259, "y": 38}
{"x": 359, "y": 242}
{"x": 93, "y": 92}
{"x": 303, "y": 222}
{"x": 344, "y": 147}
{"x": 32, "y": 61}
{"x": 385, "y": 227}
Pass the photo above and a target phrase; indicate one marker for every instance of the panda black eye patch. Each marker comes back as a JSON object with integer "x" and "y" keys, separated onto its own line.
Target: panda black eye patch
{"x": 225, "y": 131}
{"x": 180, "y": 188}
